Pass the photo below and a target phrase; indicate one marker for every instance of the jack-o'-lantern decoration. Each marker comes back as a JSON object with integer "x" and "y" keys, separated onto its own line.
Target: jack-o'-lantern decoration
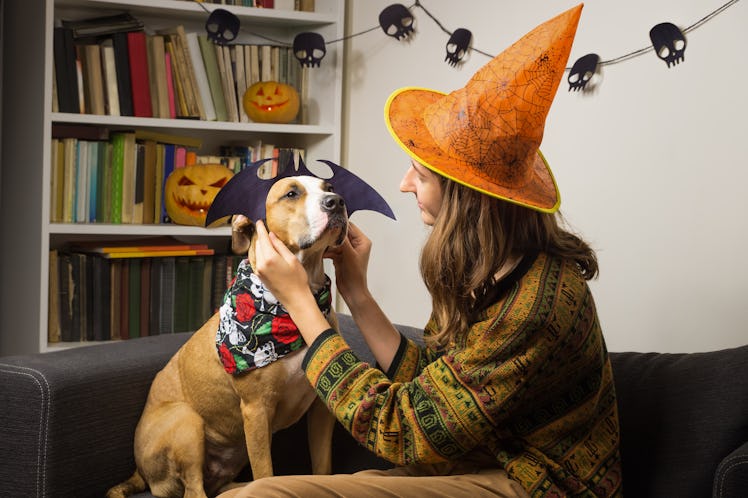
{"x": 271, "y": 102}
{"x": 189, "y": 191}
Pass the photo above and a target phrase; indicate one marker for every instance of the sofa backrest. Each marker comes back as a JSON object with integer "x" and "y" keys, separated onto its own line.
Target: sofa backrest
{"x": 680, "y": 415}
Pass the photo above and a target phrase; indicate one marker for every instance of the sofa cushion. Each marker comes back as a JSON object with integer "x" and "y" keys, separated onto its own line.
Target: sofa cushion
{"x": 680, "y": 415}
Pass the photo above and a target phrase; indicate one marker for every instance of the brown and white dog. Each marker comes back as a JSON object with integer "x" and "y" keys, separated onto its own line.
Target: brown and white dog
{"x": 201, "y": 424}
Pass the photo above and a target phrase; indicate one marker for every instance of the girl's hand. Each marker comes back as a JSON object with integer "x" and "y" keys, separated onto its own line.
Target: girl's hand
{"x": 283, "y": 274}
{"x": 351, "y": 260}
{"x": 278, "y": 268}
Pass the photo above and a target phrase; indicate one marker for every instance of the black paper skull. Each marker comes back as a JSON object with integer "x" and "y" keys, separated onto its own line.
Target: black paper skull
{"x": 309, "y": 48}
{"x": 397, "y": 21}
{"x": 458, "y": 45}
{"x": 222, "y": 26}
{"x": 582, "y": 71}
{"x": 669, "y": 42}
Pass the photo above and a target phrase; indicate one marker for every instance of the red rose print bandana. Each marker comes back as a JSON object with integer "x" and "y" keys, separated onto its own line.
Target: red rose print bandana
{"x": 255, "y": 329}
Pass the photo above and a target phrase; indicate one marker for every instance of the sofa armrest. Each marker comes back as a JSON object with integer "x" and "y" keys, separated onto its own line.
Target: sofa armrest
{"x": 731, "y": 478}
{"x": 68, "y": 417}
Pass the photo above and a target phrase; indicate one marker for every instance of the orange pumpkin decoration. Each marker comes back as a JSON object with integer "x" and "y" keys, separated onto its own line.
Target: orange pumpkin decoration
{"x": 271, "y": 102}
{"x": 189, "y": 191}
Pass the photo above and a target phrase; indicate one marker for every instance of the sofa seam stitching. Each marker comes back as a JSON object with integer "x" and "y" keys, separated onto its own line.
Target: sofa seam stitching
{"x": 43, "y": 427}
{"x": 741, "y": 459}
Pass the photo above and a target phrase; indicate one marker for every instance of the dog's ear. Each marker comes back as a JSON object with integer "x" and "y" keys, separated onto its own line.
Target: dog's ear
{"x": 242, "y": 230}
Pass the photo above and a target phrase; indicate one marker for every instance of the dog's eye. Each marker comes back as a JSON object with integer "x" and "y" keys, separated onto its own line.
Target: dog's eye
{"x": 292, "y": 194}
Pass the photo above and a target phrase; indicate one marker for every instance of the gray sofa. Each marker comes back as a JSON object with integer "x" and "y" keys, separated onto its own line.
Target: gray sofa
{"x": 67, "y": 420}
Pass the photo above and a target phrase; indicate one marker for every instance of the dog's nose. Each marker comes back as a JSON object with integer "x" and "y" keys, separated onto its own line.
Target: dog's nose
{"x": 333, "y": 202}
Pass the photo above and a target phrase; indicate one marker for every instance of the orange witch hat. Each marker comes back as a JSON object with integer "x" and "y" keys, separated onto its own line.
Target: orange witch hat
{"x": 487, "y": 134}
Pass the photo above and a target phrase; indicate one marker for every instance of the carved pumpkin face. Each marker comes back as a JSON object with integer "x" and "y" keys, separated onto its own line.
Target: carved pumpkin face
{"x": 190, "y": 191}
{"x": 271, "y": 102}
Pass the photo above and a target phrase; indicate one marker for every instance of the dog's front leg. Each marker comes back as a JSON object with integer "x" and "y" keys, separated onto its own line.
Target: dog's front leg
{"x": 320, "y": 425}
{"x": 258, "y": 434}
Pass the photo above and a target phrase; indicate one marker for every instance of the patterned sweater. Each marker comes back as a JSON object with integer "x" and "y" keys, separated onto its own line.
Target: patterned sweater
{"x": 530, "y": 385}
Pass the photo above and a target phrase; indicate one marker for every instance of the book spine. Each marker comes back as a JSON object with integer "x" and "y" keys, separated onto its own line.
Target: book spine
{"x": 118, "y": 165}
{"x": 138, "y": 59}
{"x": 214, "y": 77}
{"x": 122, "y": 66}
{"x": 201, "y": 76}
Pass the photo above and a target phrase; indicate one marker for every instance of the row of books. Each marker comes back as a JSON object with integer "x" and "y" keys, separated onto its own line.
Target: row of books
{"x": 99, "y": 296}
{"x": 165, "y": 75}
{"x": 301, "y": 5}
{"x": 118, "y": 177}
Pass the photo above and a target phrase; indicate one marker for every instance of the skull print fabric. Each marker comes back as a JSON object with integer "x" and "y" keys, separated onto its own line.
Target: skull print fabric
{"x": 254, "y": 328}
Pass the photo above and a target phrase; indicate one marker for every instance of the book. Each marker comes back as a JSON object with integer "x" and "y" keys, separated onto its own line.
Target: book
{"x": 201, "y": 76}
{"x": 124, "y": 302}
{"x": 66, "y": 79}
{"x": 145, "y": 297}
{"x": 54, "y": 333}
{"x": 158, "y": 243}
{"x": 133, "y": 308}
{"x": 122, "y": 66}
{"x": 93, "y": 82}
{"x": 237, "y": 59}
{"x": 180, "y": 101}
{"x": 195, "y": 313}
{"x": 109, "y": 69}
{"x": 224, "y": 70}
{"x": 102, "y": 25}
{"x": 139, "y": 80}
{"x": 167, "y": 289}
{"x": 66, "y": 290}
{"x": 58, "y": 181}
{"x": 140, "y": 181}
{"x": 159, "y": 253}
{"x": 214, "y": 77}
{"x": 169, "y": 162}
{"x": 190, "y": 72}
{"x": 129, "y": 177}
{"x": 154, "y": 294}
{"x": 170, "y": 85}
{"x": 149, "y": 181}
{"x": 70, "y": 153}
{"x": 100, "y": 292}
{"x": 115, "y": 301}
{"x": 168, "y": 138}
{"x": 181, "y": 294}
{"x": 157, "y": 60}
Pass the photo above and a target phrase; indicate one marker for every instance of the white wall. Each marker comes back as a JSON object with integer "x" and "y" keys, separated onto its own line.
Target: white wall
{"x": 651, "y": 166}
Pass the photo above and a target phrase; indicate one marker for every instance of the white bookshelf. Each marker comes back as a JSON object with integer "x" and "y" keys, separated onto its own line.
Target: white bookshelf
{"x": 26, "y": 234}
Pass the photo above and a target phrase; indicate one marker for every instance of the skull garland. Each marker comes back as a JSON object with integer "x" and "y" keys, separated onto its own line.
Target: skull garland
{"x": 582, "y": 72}
{"x": 457, "y": 46}
{"x": 222, "y": 26}
{"x": 397, "y": 21}
{"x": 669, "y": 42}
{"x": 309, "y": 48}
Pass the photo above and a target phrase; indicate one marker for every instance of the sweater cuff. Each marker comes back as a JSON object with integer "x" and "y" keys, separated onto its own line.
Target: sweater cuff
{"x": 398, "y": 358}
{"x": 316, "y": 345}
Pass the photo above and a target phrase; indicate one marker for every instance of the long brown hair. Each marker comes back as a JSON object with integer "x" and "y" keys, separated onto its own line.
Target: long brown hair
{"x": 473, "y": 236}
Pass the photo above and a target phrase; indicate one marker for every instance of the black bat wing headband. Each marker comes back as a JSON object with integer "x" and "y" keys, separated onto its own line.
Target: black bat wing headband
{"x": 246, "y": 192}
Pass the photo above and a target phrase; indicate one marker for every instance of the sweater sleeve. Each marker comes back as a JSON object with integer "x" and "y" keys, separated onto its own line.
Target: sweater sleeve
{"x": 436, "y": 413}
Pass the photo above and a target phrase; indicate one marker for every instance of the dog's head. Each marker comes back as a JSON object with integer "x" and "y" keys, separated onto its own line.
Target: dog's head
{"x": 303, "y": 211}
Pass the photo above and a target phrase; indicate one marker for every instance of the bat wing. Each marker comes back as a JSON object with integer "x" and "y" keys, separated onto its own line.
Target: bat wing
{"x": 246, "y": 193}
